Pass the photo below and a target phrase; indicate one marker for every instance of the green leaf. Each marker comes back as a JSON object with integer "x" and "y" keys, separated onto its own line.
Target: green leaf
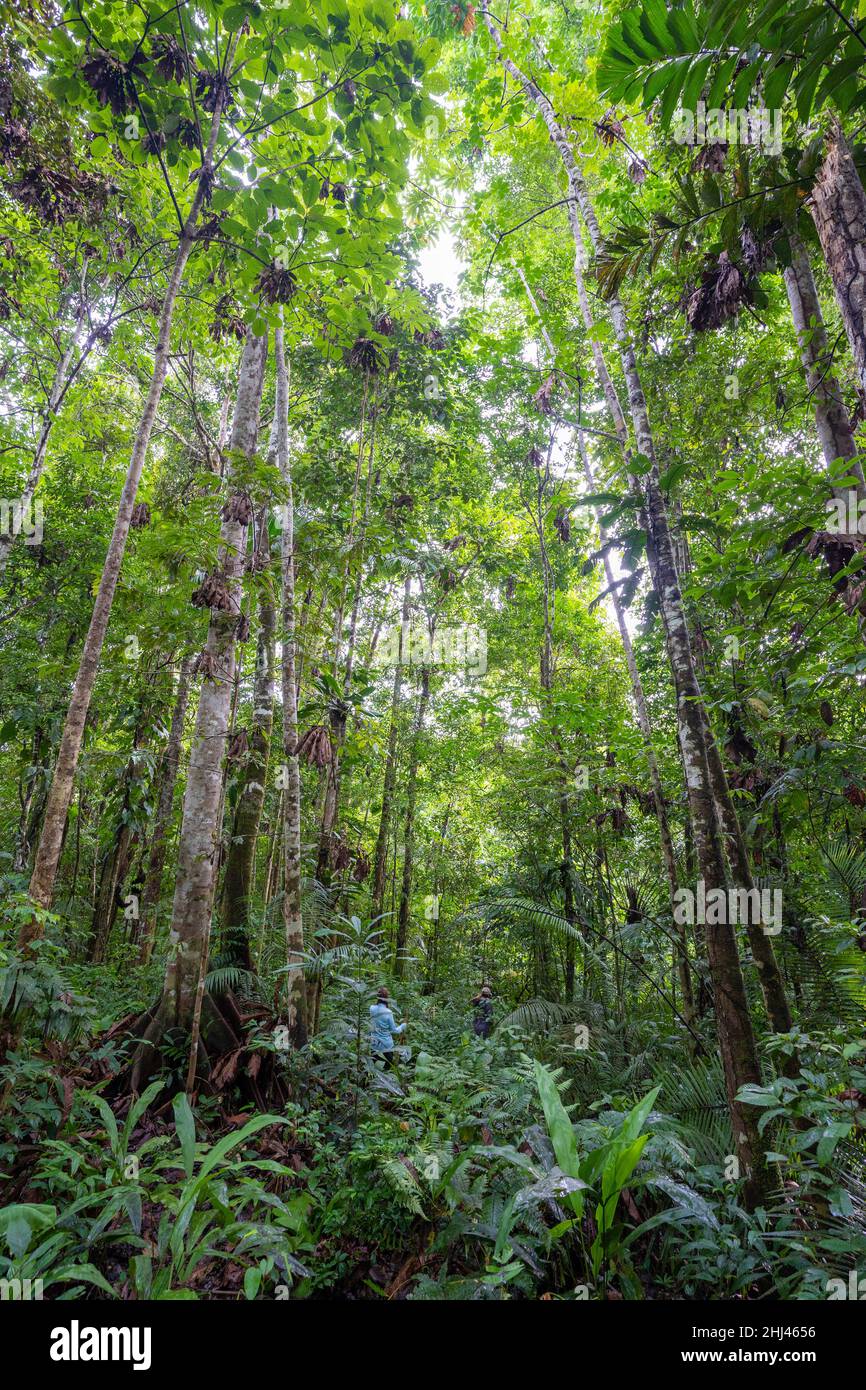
{"x": 634, "y": 1122}
{"x": 560, "y": 1129}
{"x": 184, "y": 1123}
{"x": 141, "y": 1104}
{"x": 85, "y": 1273}
{"x": 719, "y": 84}
{"x": 19, "y": 1223}
{"x": 678, "y": 71}
{"x": 231, "y": 1141}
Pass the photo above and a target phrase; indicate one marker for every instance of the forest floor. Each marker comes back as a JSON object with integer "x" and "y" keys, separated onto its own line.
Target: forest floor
{"x": 451, "y": 1175}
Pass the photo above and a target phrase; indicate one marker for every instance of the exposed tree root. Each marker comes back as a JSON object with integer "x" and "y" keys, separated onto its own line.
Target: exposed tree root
{"x": 223, "y": 1060}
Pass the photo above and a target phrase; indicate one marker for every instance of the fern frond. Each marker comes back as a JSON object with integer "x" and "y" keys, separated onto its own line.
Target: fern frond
{"x": 539, "y": 1015}
{"x": 693, "y": 1097}
{"x": 224, "y": 978}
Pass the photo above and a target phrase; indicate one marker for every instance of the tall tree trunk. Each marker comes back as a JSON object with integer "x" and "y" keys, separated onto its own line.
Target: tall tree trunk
{"x": 159, "y": 844}
{"x": 404, "y": 913}
{"x": 566, "y": 876}
{"x": 48, "y": 854}
{"x": 240, "y": 860}
{"x": 667, "y": 844}
{"x": 733, "y": 1019}
{"x": 296, "y": 997}
{"x": 838, "y": 206}
{"x": 56, "y": 393}
{"x": 390, "y": 781}
{"x": 338, "y": 714}
{"x": 118, "y": 856}
{"x": 831, "y": 415}
{"x": 113, "y": 870}
{"x": 763, "y": 952}
{"x": 761, "y": 945}
{"x": 200, "y": 828}
{"x": 33, "y": 804}
{"x": 734, "y": 1024}
{"x": 643, "y": 719}
{"x": 546, "y": 680}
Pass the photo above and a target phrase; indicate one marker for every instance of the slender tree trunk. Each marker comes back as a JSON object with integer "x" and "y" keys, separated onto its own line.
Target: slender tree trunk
{"x": 761, "y": 945}
{"x": 159, "y": 844}
{"x": 48, "y": 854}
{"x": 33, "y": 806}
{"x": 546, "y": 680}
{"x": 339, "y": 711}
{"x": 733, "y": 1019}
{"x": 682, "y": 954}
{"x": 390, "y": 782}
{"x": 118, "y": 856}
{"x": 566, "y": 872}
{"x": 113, "y": 871}
{"x": 56, "y": 393}
{"x": 200, "y": 828}
{"x": 838, "y": 208}
{"x": 338, "y": 715}
{"x": 274, "y": 838}
{"x": 831, "y": 415}
{"x": 734, "y": 1025}
{"x": 238, "y": 880}
{"x": 763, "y": 953}
{"x": 404, "y": 913}
{"x": 643, "y": 719}
{"x": 296, "y": 996}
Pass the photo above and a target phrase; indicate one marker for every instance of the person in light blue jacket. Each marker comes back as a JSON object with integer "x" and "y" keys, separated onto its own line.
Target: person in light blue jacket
{"x": 385, "y": 1029}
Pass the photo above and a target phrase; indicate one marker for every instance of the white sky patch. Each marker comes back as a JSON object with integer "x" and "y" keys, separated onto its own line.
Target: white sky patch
{"x": 439, "y": 262}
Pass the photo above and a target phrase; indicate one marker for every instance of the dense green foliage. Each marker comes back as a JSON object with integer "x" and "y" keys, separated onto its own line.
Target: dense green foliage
{"x": 491, "y": 791}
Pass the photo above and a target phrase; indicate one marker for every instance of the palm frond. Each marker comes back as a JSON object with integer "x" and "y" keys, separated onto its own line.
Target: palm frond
{"x": 829, "y": 971}
{"x": 225, "y": 977}
{"x": 693, "y": 1097}
{"x": 847, "y": 866}
{"x": 541, "y": 1015}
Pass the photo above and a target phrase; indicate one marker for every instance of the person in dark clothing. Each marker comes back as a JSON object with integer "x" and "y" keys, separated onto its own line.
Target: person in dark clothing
{"x": 483, "y": 1005}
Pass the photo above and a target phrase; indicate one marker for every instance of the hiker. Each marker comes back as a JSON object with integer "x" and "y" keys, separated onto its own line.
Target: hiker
{"x": 385, "y": 1029}
{"x": 483, "y": 1004}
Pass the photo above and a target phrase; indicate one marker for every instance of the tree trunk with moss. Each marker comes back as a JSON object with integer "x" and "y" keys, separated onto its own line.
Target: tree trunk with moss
{"x": 838, "y": 208}
{"x": 404, "y": 913}
{"x": 159, "y": 844}
{"x": 831, "y": 414}
{"x": 390, "y": 780}
{"x": 252, "y": 779}
{"x": 199, "y": 833}
{"x": 296, "y": 997}
{"x": 47, "y": 859}
{"x": 736, "y": 1038}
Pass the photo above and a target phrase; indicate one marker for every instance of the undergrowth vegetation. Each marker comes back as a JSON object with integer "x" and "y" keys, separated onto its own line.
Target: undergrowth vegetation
{"x": 432, "y": 651}
{"x": 520, "y": 1165}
